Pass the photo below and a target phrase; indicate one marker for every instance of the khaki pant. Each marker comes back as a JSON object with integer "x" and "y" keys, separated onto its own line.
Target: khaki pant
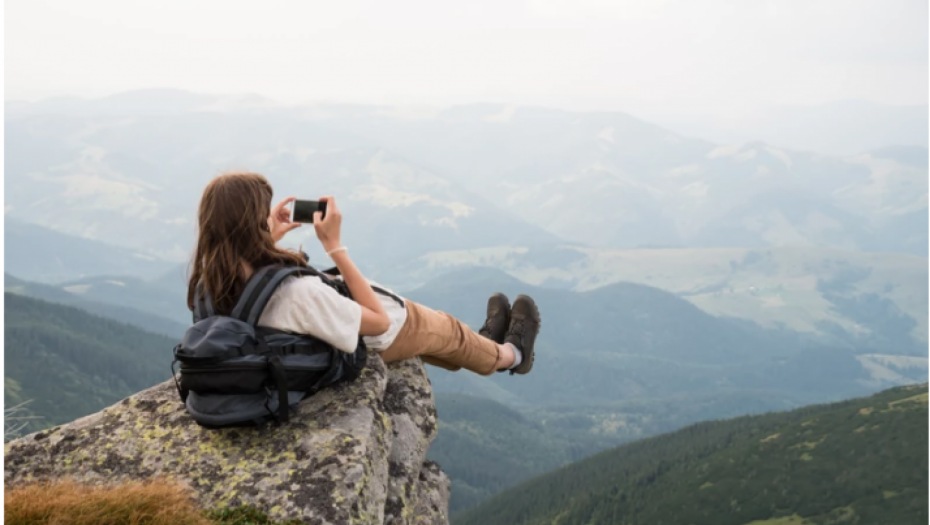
{"x": 442, "y": 340}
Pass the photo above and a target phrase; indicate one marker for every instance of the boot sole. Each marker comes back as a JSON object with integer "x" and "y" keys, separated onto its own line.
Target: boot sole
{"x": 529, "y": 356}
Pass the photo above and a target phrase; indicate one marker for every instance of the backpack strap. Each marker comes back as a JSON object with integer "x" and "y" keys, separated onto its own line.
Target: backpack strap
{"x": 278, "y": 377}
{"x": 377, "y": 289}
{"x": 253, "y": 287}
{"x": 260, "y": 287}
{"x": 203, "y": 305}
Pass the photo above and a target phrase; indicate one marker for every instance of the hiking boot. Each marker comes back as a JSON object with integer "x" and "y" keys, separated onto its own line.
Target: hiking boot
{"x": 524, "y": 327}
{"x": 495, "y": 327}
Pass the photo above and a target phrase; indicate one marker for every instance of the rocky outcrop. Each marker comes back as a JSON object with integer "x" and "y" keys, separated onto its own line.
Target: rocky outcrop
{"x": 355, "y": 453}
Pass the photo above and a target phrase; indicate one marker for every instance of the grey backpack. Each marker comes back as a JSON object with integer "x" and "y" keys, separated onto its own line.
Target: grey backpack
{"x": 234, "y": 373}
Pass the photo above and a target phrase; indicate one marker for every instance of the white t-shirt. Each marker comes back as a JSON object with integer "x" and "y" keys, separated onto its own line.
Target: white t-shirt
{"x": 304, "y": 305}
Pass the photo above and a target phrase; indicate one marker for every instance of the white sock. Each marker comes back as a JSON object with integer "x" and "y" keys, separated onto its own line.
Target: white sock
{"x": 517, "y": 356}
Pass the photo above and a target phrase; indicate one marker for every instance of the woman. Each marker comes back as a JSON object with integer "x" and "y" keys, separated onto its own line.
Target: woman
{"x": 238, "y": 232}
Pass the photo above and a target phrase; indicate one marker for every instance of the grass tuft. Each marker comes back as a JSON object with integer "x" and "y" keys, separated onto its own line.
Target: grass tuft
{"x": 157, "y": 502}
{"x": 68, "y": 503}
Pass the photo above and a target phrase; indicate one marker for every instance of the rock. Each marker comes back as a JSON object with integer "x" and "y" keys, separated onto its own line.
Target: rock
{"x": 433, "y": 501}
{"x": 409, "y": 403}
{"x": 354, "y": 453}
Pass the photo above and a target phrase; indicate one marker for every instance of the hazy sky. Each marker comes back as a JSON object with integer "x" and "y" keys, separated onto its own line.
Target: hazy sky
{"x": 687, "y": 53}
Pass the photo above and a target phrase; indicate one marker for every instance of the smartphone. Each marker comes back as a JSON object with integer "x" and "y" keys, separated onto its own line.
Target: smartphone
{"x": 303, "y": 210}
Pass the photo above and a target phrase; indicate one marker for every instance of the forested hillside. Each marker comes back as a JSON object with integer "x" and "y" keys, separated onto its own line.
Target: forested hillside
{"x": 70, "y": 363}
{"x": 486, "y": 447}
{"x": 858, "y": 461}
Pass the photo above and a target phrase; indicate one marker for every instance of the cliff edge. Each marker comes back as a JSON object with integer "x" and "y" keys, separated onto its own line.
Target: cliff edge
{"x": 354, "y": 453}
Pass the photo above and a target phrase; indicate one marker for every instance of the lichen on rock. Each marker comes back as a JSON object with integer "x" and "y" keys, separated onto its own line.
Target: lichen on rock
{"x": 353, "y": 453}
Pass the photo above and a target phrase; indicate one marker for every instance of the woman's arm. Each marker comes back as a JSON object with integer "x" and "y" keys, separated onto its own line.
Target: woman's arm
{"x": 374, "y": 319}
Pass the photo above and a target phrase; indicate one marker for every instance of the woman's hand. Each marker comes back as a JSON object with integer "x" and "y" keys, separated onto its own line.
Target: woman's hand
{"x": 328, "y": 229}
{"x": 279, "y": 222}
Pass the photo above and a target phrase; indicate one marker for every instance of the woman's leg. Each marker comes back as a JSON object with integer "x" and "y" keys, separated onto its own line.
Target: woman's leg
{"x": 446, "y": 342}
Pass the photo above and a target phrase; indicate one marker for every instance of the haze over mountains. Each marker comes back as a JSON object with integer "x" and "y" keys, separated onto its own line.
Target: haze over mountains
{"x": 463, "y": 177}
{"x": 679, "y": 279}
{"x": 833, "y": 248}
{"x": 42, "y": 254}
{"x": 843, "y": 127}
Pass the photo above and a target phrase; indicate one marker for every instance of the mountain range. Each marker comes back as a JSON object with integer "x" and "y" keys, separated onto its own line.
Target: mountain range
{"x": 611, "y": 180}
{"x": 679, "y": 280}
{"x": 106, "y": 306}
{"x": 135, "y": 181}
{"x": 624, "y": 342}
{"x": 872, "y": 302}
{"x": 457, "y": 178}
{"x": 844, "y": 127}
{"x": 41, "y": 254}
{"x": 867, "y": 301}
{"x": 787, "y": 239}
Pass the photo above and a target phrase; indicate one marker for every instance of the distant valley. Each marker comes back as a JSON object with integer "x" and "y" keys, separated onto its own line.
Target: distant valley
{"x": 869, "y": 301}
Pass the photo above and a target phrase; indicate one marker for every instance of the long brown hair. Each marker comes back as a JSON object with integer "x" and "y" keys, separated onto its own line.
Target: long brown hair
{"x": 233, "y": 228}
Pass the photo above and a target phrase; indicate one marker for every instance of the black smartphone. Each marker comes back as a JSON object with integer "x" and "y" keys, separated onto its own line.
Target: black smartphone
{"x": 303, "y": 210}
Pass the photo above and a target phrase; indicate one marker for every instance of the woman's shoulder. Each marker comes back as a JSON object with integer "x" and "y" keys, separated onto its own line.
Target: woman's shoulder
{"x": 302, "y": 283}
{"x": 306, "y": 289}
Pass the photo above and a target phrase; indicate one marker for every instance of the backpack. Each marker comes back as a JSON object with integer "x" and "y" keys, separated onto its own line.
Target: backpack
{"x": 234, "y": 373}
